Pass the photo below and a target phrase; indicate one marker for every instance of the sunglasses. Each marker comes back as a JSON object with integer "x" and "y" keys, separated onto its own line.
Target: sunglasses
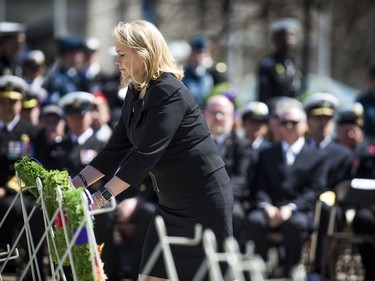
{"x": 286, "y": 123}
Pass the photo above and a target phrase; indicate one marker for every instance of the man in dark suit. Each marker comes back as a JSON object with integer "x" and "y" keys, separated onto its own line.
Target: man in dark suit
{"x": 289, "y": 177}
{"x": 320, "y": 109}
{"x": 17, "y": 138}
{"x": 220, "y": 117}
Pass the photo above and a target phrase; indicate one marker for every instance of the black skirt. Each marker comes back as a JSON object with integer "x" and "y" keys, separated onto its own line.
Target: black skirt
{"x": 211, "y": 207}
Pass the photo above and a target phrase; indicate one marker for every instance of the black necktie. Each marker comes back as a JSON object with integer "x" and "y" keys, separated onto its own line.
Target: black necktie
{"x": 4, "y": 131}
{"x": 4, "y": 140}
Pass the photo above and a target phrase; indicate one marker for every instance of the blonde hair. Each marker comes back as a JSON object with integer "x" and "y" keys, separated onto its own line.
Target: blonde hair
{"x": 147, "y": 41}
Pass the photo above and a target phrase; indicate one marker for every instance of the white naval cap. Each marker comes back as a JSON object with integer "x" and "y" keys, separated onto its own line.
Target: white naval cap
{"x": 77, "y": 102}
{"x": 321, "y": 104}
{"x": 12, "y": 87}
{"x": 281, "y": 24}
{"x": 256, "y": 110}
{"x": 11, "y": 28}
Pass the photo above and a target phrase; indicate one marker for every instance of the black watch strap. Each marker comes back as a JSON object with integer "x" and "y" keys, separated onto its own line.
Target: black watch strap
{"x": 107, "y": 195}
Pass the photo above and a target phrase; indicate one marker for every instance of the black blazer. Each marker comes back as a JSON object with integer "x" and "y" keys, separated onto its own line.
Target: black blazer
{"x": 279, "y": 184}
{"x": 236, "y": 156}
{"x": 339, "y": 160}
{"x": 164, "y": 135}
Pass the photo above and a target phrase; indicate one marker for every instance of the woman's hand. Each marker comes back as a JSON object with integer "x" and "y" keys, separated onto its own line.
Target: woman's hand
{"x": 2, "y": 192}
{"x": 126, "y": 209}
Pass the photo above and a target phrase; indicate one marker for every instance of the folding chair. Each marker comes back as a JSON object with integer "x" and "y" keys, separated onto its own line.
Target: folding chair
{"x": 345, "y": 260}
{"x": 163, "y": 248}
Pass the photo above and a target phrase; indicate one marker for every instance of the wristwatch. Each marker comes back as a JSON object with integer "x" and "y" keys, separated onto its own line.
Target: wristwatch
{"x": 107, "y": 195}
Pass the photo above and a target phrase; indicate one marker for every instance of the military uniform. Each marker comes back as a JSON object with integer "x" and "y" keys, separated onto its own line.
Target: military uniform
{"x": 367, "y": 99}
{"x": 196, "y": 78}
{"x": 71, "y": 152}
{"x": 256, "y": 112}
{"x": 278, "y": 74}
{"x": 353, "y": 116}
{"x": 364, "y": 167}
{"x": 74, "y": 152}
{"x": 320, "y": 109}
{"x": 339, "y": 157}
{"x": 63, "y": 79}
{"x": 12, "y": 32}
{"x": 253, "y": 114}
{"x": 17, "y": 138}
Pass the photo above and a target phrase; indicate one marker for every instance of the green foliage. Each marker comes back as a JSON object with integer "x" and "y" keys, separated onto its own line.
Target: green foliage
{"x": 28, "y": 171}
{"x": 81, "y": 252}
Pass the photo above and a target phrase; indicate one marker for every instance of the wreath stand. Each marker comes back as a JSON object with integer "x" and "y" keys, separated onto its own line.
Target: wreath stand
{"x": 85, "y": 226}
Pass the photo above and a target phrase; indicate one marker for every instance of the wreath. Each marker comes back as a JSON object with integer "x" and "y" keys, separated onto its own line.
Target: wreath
{"x": 28, "y": 171}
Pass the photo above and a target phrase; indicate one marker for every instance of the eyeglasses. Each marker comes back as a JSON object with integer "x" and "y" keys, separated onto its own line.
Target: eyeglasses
{"x": 288, "y": 123}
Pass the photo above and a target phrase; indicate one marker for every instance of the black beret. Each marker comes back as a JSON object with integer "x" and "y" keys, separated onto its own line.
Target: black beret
{"x": 70, "y": 43}
{"x": 199, "y": 44}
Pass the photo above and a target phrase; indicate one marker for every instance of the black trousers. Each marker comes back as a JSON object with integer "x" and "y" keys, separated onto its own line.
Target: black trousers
{"x": 293, "y": 232}
{"x": 364, "y": 223}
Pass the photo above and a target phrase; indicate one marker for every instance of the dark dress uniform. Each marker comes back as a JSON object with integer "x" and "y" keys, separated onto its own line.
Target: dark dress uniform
{"x": 72, "y": 153}
{"x": 278, "y": 76}
{"x": 364, "y": 219}
{"x": 17, "y": 138}
{"x": 339, "y": 160}
{"x": 63, "y": 79}
{"x": 23, "y": 140}
{"x": 15, "y": 34}
{"x": 236, "y": 156}
{"x": 164, "y": 135}
{"x": 73, "y": 157}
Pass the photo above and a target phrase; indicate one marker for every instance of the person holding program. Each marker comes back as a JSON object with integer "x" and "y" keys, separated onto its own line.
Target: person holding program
{"x": 162, "y": 133}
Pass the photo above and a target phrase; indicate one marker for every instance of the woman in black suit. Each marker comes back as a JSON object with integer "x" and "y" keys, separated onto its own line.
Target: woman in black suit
{"x": 162, "y": 133}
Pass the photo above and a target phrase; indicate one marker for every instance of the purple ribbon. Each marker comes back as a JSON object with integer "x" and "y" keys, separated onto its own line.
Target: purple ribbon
{"x": 71, "y": 181}
{"x": 89, "y": 197}
{"x": 36, "y": 160}
{"x": 90, "y": 200}
{"x": 82, "y": 237}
